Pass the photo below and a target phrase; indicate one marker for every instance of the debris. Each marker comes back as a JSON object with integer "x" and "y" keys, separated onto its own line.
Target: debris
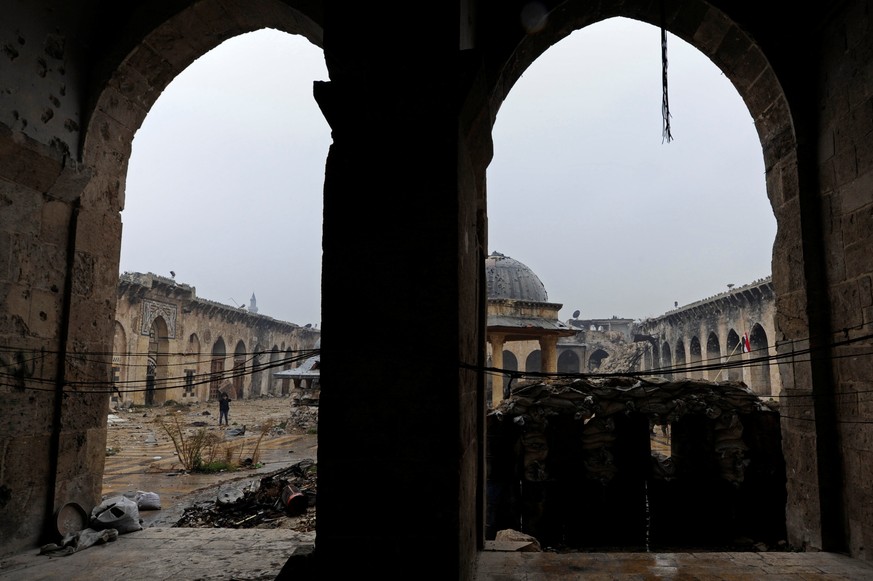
{"x": 522, "y": 542}
{"x": 282, "y": 499}
{"x": 237, "y": 431}
{"x": 76, "y": 541}
{"x": 147, "y": 500}
{"x": 116, "y": 512}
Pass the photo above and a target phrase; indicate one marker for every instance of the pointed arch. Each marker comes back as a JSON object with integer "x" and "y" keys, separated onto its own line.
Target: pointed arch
{"x": 192, "y": 369}
{"x": 239, "y": 369}
{"x": 680, "y": 358}
{"x": 734, "y": 355}
{"x": 216, "y": 370}
{"x": 157, "y": 371}
{"x": 695, "y": 357}
{"x": 595, "y": 360}
{"x": 713, "y": 357}
{"x": 666, "y": 360}
{"x": 759, "y": 361}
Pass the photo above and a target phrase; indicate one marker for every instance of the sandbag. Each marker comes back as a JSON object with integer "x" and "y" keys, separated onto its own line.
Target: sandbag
{"x": 117, "y": 512}
{"x": 147, "y": 500}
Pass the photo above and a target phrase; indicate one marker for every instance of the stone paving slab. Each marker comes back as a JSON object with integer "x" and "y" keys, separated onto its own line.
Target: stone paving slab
{"x": 715, "y": 566}
{"x": 182, "y": 554}
{"x": 157, "y": 554}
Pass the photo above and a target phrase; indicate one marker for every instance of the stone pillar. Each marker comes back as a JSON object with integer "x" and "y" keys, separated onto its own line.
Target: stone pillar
{"x": 549, "y": 350}
{"x": 497, "y": 341}
{"x": 400, "y": 235}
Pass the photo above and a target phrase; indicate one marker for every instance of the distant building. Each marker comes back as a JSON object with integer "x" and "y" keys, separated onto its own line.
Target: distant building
{"x": 523, "y": 326}
{"x": 724, "y": 337}
{"x": 729, "y": 336}
{"x": 171, "y": 345}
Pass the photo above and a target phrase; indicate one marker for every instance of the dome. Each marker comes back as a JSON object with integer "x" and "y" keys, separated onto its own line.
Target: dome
{"x": 508, "y": 278}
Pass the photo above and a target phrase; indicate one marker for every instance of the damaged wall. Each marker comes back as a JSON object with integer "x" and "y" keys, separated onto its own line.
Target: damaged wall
{"x": 193, "y": 327}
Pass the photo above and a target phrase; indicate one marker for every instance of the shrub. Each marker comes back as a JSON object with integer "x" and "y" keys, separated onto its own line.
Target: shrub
{"x": 194, "y": 450}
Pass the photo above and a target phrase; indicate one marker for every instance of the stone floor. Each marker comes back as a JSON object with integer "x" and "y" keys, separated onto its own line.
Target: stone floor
{"x": 162, "y": 552}
{"x": 158, "y": 554}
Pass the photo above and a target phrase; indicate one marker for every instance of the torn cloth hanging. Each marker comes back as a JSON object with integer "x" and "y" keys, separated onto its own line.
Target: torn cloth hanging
{"x": 665, "y": 103}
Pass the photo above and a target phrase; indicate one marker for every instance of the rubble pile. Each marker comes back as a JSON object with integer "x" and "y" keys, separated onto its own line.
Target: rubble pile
{"x": 571, "y": 463}
{"x": 283, "y": 499}
{"x": 595, "y": 403}
{"x": 303, "y": 417}
{"x": 626, "y": 356}
{"x": 659, "y": 398}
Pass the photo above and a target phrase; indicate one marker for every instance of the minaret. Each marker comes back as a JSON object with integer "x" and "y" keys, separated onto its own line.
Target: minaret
{"x": 253, "y": 304}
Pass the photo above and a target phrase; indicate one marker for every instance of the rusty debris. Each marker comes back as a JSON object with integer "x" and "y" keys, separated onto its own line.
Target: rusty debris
{"x": 283, "y": 499}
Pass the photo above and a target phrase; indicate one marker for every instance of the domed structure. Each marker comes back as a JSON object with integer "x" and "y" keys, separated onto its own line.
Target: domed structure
{"x": 523, "y": 325}
{"x": 507, "y": 278}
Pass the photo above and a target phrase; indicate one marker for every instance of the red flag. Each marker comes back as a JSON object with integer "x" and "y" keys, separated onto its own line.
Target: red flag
{"x": 747, "y": 347}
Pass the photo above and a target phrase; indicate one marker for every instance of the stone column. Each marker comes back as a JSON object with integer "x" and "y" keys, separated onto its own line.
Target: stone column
{"x": 549, "y": 350}
{"x": 497, "y": 341}
{"x": 400, "y": 235}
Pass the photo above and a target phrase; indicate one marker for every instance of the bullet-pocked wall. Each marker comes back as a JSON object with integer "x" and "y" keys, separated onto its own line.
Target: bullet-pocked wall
{"x": 410, "y": 102}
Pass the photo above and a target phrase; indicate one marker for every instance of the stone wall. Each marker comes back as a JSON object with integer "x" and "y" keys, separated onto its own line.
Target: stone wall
{"x": 192, "y": 339}
{"x": 704, "y": 340}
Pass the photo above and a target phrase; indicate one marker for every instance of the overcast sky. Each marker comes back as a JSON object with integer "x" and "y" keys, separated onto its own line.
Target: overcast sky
{"x": 225, "y": 180}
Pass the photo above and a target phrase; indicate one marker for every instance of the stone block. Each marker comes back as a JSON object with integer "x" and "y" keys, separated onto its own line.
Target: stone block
{"x": 844, "y": 166}
{"x": 859, "y": 260}
{"x": 5, "y": 258}
{"x": 153, "y": 69}
{"x": 20, "y": 208}
{"x": 713, "y": 27}
{"x": 27, "y": 162}
{"x": 855, "y": 193}
{"x": 107, "y": 143}
{"x": 45, "y": 314}
{"x": 24, "y": 465}
{"x": 55, "y": 222}
{"x": 857, "y": 226}
{"x": 845, "y": 306}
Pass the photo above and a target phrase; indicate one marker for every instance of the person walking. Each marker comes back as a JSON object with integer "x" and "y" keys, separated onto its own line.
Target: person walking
{"x": 223, "y": 408}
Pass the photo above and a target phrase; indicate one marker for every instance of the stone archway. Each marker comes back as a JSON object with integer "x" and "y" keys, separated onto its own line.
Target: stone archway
{"x": 240, "y": 358}
{"x": 156, "y": 372}
{"x": 760, "y": 352}
{"x": 127, "y": 82}
{"x": 666, "y": 360}
{"x": 713, "y": 356}
{"x": 595, "y": 360}
{"x": 791, "y": 192}
{"x": 695, "y": 356}
{"x": 679, "y": 359}
{"x": 216, "y": 370}
{"x": 735, "y": 354}
{"x": 568, "y": 362}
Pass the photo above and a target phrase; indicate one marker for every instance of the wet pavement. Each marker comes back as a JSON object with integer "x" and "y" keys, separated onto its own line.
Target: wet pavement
{"x": 125, "y": 475}
{"x": 163, "y": 552}
{"x": 502, "y": 566}
{"x": 159, "y": 554}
